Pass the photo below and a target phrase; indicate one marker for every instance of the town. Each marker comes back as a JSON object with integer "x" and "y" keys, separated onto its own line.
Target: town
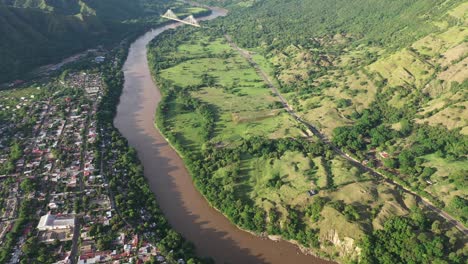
{"x": 56, "y": 205}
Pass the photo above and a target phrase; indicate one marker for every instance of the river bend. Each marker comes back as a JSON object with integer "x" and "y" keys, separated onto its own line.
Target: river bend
{"x": 183, "y": 206}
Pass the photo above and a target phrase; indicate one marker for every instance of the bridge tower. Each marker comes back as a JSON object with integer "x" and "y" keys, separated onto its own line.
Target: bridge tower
{"x": 191, "y": 20}
{"x": 170, "y": 14}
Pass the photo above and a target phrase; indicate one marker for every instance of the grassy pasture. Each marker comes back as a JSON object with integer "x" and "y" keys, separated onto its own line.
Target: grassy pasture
{"x": 291, "y": 168}
{"x": 183, "y": 12}
{"x": 244, "y": 104}
{"x": 18, "y": 93}
{"x": 402, "y": 68}
{"x": 441, "y": 184}
{"x": 245, "y": 107}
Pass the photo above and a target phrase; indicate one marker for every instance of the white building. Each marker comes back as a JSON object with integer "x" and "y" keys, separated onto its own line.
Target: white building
{"x": 52, "y": 222}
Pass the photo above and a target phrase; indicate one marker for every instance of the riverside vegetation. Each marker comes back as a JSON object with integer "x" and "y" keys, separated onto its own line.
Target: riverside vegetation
{"x": 136, "y": 209}
{"x": 134, "y": 199}
{"x": 259, "y": 166}
{"x": 38, "y": 32}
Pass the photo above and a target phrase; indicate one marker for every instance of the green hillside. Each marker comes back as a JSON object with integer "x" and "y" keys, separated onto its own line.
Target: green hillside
{"x": 374, "y": 76}
{"x": 105, "y": 9}
{"x": 61, "y": 6}
{"x": 385, "y": 23}
{"x": 384, "y": 81}
{"x": 37, "y": 32}
{"x": 31, "y": 37}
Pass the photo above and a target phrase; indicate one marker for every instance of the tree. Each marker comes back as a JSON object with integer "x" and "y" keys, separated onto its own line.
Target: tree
{"x": 390, "y": 163}
{"x": 28, "y": 185}
{"x": 401, "y": 241}
{"x": 313, "y": 211}
{"x": 435, "y": 227}
{"x": 406, "y": 161}
{"x": 406, "y": 127}
{"x": 259, "y": 220}
{"x": 351, "y": 213}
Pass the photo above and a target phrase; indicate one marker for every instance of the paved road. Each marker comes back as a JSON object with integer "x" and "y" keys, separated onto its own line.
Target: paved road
{"x": 338, "y": 151}
{"x": 78, "y": 218}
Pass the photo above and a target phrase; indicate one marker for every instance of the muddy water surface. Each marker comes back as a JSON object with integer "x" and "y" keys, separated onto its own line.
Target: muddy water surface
{"x": 184, "y": 207}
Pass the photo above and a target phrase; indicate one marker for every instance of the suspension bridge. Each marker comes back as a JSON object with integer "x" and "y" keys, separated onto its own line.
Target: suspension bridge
{"x": 190, "y": 20}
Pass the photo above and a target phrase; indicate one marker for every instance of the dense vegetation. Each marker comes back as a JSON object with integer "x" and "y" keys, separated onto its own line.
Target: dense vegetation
{"x": 384, "y": 80}
{"x": 278, "y": 24}
{"x": 372, "y": 131}
{"x": 261, "y": 180}
{"x": 334, "y": 62}
{"x": 24, "y": 216}
{"x": 134, "y": 199}
{"x": 39, "y": 32}
{"x": 404, "y": 240}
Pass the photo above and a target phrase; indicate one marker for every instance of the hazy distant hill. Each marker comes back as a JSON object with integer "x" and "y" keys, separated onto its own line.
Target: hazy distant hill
{"x": 35, "y": 32}
{"x": 282, "y": 23}
{"x": 105, "y": 9}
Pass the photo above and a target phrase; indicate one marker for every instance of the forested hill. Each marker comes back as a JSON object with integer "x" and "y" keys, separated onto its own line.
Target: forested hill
{"x": 37, "y": 32}
{"x": 105, "y": 9}
{"x": 384, "y": 81}
{"x": 383, "y": 22}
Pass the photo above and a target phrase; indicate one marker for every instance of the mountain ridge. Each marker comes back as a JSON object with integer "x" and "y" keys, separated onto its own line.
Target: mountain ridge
{"x": 38, "y": 32}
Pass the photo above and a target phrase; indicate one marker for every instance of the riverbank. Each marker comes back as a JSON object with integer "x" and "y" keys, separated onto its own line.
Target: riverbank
{"x": 274, "y": 238}
{"x": 184, "y": 207}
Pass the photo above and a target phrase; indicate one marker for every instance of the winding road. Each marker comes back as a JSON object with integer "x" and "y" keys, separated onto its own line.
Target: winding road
{"x": 338, "y": 151}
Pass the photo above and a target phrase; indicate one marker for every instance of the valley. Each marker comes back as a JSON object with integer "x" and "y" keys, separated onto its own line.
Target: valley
{"x": 264, "y": 131}
{"x": 343, "y": 113}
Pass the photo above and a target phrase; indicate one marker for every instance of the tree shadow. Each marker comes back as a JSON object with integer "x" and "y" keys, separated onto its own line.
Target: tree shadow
{"x": 183, "y": 206}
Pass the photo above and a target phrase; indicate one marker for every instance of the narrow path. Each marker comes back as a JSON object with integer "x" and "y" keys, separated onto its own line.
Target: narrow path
{"x": 338, "y": 151}
{"x": 78, "y": 217}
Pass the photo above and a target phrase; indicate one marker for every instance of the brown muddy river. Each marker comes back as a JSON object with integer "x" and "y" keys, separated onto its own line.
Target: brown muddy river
{"x": 184, "y": 207}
